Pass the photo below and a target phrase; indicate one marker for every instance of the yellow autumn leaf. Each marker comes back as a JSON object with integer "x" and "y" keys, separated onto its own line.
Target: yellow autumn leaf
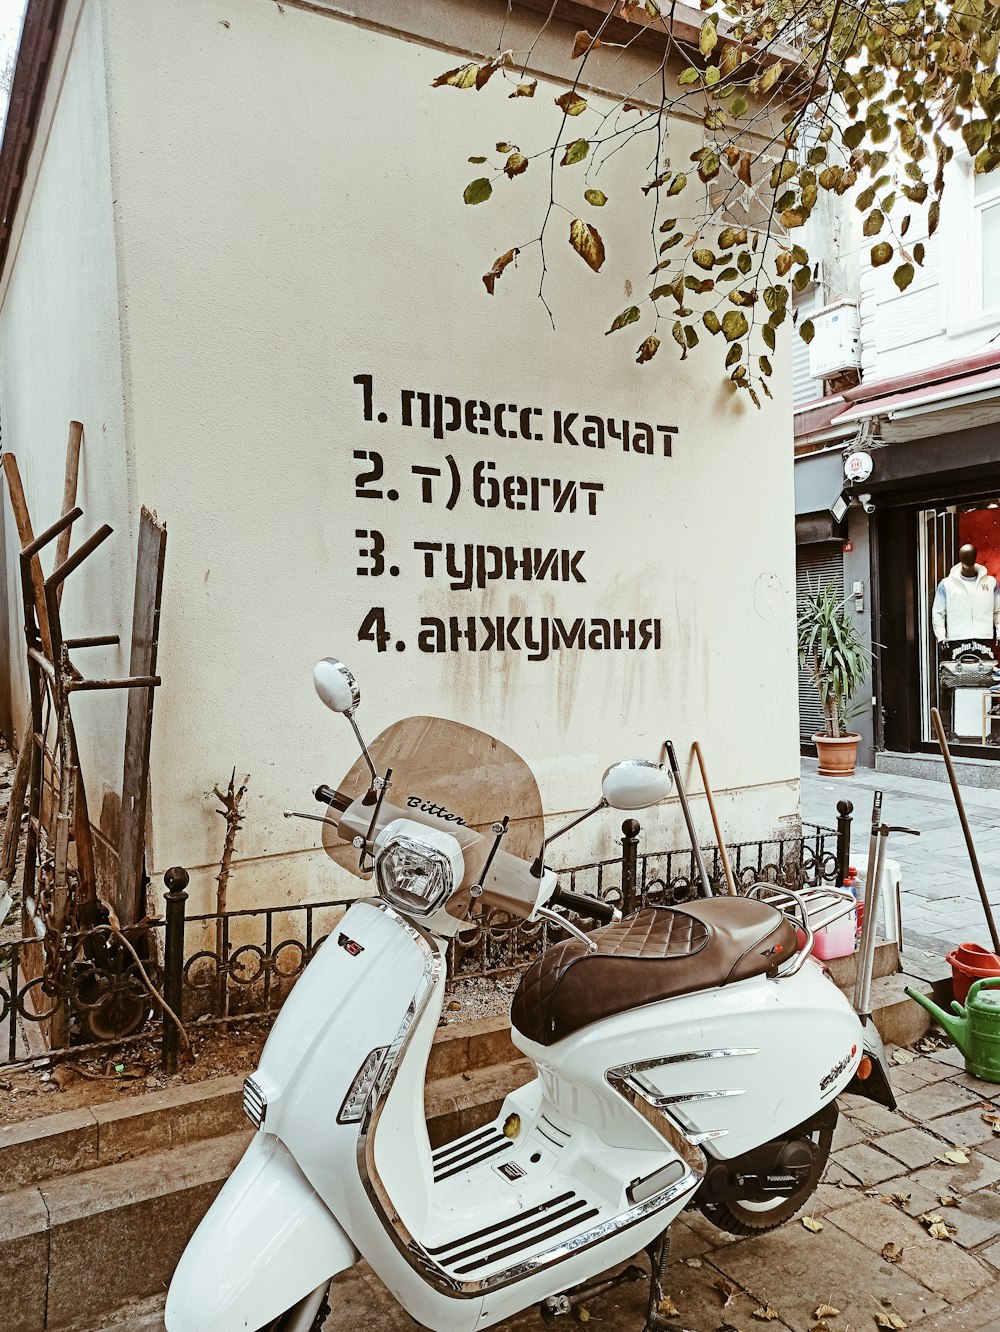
{"x": 462, "y": 77}
{"x": 586, "y": 240}
{"x": 709, "y": 38}
{"x": 826, "y": 1311}
{"x": 770, "y": 76}
{"x": 765, "y": 1314}
{"x": 812, "y": 1224}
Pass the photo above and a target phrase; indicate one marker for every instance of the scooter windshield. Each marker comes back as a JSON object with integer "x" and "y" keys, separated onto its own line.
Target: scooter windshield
{"x": 458, "y": 776}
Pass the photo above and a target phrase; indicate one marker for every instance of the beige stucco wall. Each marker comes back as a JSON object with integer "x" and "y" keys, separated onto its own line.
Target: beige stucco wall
{"x": 60, "y": 359}
{"x": 288, "y": 190}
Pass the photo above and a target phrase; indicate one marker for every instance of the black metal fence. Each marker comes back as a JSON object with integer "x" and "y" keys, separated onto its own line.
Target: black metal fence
{"x": 95, "y": 991}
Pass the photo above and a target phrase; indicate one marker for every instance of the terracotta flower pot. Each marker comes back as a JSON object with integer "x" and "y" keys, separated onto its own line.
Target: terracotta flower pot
{"x": 837, "y": 757}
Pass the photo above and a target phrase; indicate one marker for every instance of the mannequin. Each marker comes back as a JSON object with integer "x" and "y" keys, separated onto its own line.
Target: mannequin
{"x": 966, "y": 612}
{"x": 967, "y": 602}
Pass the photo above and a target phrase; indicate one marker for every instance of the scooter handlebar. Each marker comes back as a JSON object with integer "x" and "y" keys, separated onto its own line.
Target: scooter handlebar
{"x": 585, "y": 906}
{"x": 326, "y": 795}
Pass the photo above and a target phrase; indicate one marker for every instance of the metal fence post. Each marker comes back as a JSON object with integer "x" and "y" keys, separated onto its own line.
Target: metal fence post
{"x": 844, "y": 811}
{"x": 176, "y": 881}
{"x": 630, "y": 862}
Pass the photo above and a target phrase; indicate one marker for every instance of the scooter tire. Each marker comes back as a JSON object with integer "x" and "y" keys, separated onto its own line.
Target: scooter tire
{"x": 732, "y": 1217}
{"x": 322, "y": 1314}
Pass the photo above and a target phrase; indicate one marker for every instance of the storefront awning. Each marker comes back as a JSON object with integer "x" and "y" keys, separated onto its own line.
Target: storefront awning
{"x": 964, "y": 392}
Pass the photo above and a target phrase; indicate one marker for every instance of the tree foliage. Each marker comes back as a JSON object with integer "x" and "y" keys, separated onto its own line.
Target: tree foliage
{"x": 857, "y": 98}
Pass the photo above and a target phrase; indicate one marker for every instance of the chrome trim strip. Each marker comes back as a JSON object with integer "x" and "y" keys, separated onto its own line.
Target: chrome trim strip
{"x": 566, "y": 1249}
{"x": 640, "y": 1065}
{"x": 254, "y": 1103}
{"x": 411, "y": 1250}
{"x": 662, "y": 1101}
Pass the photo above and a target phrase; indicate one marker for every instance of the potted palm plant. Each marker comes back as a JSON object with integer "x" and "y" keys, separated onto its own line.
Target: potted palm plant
{"x": 838, "y": 661}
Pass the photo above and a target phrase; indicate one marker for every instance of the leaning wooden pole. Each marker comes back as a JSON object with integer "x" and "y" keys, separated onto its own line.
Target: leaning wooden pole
{"x": 727, "y": 868}
{"x": 946, "y": 754}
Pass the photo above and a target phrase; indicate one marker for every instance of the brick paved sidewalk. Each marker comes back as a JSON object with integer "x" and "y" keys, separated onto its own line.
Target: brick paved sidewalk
{"x": 940, "y": 901}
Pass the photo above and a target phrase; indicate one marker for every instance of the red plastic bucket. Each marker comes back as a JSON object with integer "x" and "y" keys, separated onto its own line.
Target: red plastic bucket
{"x": 970, "y": 962}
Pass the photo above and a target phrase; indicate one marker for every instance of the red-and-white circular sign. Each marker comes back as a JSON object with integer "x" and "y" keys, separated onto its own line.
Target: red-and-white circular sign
{"x": 858, "y": 466}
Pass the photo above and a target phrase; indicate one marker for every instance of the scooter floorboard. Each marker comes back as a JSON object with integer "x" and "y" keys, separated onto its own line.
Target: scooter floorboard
{"x": 499, "y": 1202}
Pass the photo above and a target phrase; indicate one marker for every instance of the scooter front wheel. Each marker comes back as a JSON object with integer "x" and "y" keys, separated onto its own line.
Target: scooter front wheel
{"x": 297, "y": 1318}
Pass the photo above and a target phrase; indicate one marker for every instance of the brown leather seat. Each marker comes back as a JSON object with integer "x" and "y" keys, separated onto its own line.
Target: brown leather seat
{"x": 657, "y": 954}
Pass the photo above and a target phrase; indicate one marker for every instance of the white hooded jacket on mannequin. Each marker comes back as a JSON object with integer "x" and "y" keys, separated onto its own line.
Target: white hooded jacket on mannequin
{"x": 966, "y": 607}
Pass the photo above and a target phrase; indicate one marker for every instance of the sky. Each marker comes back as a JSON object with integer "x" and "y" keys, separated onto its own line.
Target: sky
{"x": 10, "y": 29}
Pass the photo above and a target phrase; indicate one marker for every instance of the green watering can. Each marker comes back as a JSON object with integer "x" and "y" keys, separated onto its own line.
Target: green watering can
{"x": 976, "y": 1030}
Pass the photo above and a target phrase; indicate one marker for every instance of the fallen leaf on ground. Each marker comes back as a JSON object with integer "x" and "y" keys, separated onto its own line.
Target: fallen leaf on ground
{"x": 939, "y": 1231}
{"x": 892, "y": 1320}
{"x": 901, "y": 1198}
{"x": 726, "y": 1289}
{"x": 931, "y": 1218}
{"x": 667, "y": 1307}
{"x": 902, "y": 1057}
{"x": 765, "y": 1313}
{"x": 892, "y": 1253}
{"x": 693, "y": 1262}
{"x": 812, "y": 1224}
{"x": 946, "y": 1200}
{"x": 953, "y": 1157}
{"x": 582, "y": 1314}
{"x": 826, "y": 1311}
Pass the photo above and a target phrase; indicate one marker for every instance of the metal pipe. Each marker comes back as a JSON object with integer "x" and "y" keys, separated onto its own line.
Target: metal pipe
{"x": 43, "y": 538}
{"x": 699, "y": 860}
{"x": 129, "y": 682}
{"x": 844, "y": 820}
{"x": 873, "y": 845}
{"x": 98, "y": 640}
{"x": 176, "y": 881}
{"x": 946, "y": 754}
{"x": 79, "y": 555}
{"x": 868, "y": 933}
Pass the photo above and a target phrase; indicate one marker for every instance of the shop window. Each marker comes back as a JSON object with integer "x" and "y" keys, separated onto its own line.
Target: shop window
{"x": 958, "y": 609}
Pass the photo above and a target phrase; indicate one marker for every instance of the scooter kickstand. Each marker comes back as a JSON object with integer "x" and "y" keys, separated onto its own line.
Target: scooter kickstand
{"x": 558, "y": 1306}
{"x": 659, "y": 1259}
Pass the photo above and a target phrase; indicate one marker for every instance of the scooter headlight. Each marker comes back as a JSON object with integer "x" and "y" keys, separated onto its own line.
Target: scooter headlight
{"x": 417, "y": 868}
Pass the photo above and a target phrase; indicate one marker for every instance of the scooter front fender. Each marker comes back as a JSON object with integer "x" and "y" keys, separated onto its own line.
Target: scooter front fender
{"x": 266, "y": 1241}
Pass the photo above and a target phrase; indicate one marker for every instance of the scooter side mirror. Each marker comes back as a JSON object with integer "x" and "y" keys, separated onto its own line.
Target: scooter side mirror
{"x": 336, "y": 685}
{"x": 635, "y": 784}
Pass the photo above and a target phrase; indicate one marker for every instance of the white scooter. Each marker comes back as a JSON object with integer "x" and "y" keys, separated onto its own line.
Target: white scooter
{"x": 687, "y": 1056}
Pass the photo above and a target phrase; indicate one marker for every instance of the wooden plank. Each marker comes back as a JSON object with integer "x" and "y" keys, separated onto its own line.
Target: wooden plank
{"x": 139, "y": 723}
{"x": 26, "y": 536}
{"x": 73, "y": 446}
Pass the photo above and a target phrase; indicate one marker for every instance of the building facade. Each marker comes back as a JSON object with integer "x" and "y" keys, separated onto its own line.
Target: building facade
{"x": 920, "y": 398}
{"x": 239, "y": 255}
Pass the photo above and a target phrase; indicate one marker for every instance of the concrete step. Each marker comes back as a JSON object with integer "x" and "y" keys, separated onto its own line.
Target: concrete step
{"x": 844, "y": 970}
{"x": 79, "y": 1245}
{"x": 85, "y": 1139}
{"x": 466, "y": 1101}
{"x": 102, "y": 1135}
{"x": 900, "y": 1021}
{"x": 470, "y": 1045}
